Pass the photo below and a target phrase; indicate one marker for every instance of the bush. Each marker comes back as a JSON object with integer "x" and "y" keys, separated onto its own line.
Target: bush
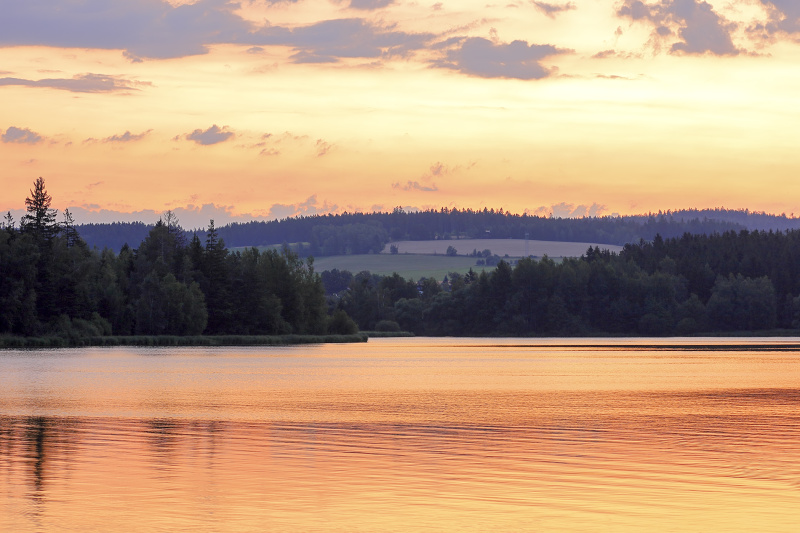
{"x": 387, "y": 325}
{"x": 341, "y": 324}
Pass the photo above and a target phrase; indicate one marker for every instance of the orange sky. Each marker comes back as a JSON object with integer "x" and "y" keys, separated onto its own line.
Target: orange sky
{"x": 273, "y": 108}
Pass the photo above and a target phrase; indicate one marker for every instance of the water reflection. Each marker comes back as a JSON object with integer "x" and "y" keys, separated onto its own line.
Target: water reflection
{"x": 397, "y": 443}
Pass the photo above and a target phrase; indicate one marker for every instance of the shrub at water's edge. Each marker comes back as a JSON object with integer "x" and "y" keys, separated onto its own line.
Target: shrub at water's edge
{"x": 387, "y": 334}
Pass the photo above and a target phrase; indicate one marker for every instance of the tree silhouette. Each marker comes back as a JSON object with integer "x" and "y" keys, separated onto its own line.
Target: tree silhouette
{"x": 40, "y": 219}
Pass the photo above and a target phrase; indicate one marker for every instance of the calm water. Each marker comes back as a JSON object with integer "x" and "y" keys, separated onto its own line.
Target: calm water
{"x": 403, "y": 434}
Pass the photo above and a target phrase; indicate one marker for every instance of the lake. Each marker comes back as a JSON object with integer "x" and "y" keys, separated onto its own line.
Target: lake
{"x": 404, "y": 434}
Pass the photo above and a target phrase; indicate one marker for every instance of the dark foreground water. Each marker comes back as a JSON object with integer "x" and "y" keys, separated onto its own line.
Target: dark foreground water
{"x": 404, "y": 434}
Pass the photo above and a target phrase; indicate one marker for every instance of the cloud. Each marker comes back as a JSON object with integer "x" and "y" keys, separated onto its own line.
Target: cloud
{"x": 124, "y": 138}
{"x": 698, "y": 27}
{"x": 307, "y": 208}
{"x": 21, "y": 136}
{"x": 330, "y": 40}
{"x": 159, "y": 29}
{"x": 565, "y": 210}
{"x": 81, "y": 83}
{"x": 322, "y": 147}
{"x": 551, "y": 10}
{"x": 476, "y": 56}
{"x": 604, "y": 54}
{"x": 212, "y": 135}
{"x": 127, "y": 137}
{"x": 143, "y": 28}
{"x": 197, "y": 216}
{"x": 415, "y": 186}
{"x": 439, "y": 169}
{"x": 370, "y": 4}
{"x": 783, "y": 18}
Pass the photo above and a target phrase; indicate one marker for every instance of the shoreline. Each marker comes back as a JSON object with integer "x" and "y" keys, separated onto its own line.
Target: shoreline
{"x": 178, "y": 340}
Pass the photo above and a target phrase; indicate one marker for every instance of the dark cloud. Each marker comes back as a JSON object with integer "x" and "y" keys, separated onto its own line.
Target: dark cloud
{"x": 82, "y": 83}
{"x": 143, "y": 28}
{"x": 21, "y": 136}
{"x": 783, "y": 18}
{"x": 330, "y": 40}
{"x": 481, "y": 57}
{"x": 551, "y": 10}
{"x": 156, "y": 29}
{"x": 698, "y": 27}
{"x": 212, "y": 135}
{"x": 370, "y": 4}
{"x": 415, "y": 186}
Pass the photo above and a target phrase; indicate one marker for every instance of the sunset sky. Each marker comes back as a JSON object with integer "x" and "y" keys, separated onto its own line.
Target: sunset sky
{"x": 272, "y": 108}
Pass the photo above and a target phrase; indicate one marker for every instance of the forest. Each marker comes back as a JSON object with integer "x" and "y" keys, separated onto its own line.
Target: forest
{"x": 733, "y": 282}
{"x": 52, "y": 283}
{"x": 363, "y": 233}
{"x": 174, "y": 283}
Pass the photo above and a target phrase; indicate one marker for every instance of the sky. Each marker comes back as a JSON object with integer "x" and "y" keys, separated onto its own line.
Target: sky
{"x": 274, "y": 108}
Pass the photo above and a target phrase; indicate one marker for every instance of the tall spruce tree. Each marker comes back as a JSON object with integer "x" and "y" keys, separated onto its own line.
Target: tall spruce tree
{"x": 40, "y": 220}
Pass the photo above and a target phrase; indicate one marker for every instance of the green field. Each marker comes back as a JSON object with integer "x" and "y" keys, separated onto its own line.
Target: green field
{"x": 418, "y": 259}
{"x": 413, "y": 266}
{"x": 501, "y": 247}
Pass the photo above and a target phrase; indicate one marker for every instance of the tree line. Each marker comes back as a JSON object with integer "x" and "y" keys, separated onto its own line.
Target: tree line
{"x": 728, "y": 282}
{"x": 53, "y": 283}
{"x": 363, "y": 233}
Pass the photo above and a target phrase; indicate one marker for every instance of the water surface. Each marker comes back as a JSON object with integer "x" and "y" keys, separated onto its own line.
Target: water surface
{"x": 404, "y": 434}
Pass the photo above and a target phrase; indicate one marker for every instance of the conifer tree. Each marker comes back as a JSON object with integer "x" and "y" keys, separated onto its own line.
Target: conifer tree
{"x": 70, "y": 232}
{"x": 8, "y": 221}
{"x": 40, "y": 219}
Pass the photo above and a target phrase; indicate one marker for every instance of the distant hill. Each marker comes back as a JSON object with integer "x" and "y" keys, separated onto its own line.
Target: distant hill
{"x": 364, "y": 233}
{"x": 114, "y": 235}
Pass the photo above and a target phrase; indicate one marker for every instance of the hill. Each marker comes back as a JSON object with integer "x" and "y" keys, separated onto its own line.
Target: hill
{"x": 364, "y": 233}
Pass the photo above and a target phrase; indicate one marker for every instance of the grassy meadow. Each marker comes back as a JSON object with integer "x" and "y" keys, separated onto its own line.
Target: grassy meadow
{"x": 514, "y": 248}
{"x": 413, "y": 266}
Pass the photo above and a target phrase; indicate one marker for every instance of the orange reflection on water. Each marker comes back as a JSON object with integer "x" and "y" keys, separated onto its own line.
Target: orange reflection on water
{"x": 401, "y": 436}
